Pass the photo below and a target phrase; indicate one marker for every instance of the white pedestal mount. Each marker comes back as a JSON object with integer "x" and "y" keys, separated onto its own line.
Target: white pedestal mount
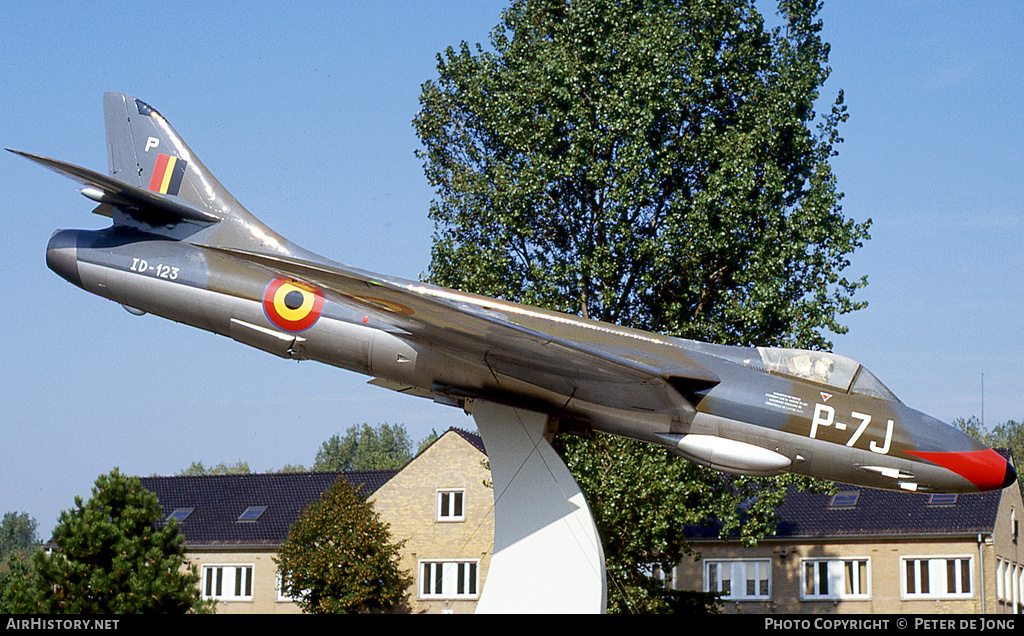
{"x": 547, "y": 553}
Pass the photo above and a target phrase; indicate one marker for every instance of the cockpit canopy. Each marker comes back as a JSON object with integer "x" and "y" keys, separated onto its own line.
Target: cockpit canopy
{"x": 829, "y": 369}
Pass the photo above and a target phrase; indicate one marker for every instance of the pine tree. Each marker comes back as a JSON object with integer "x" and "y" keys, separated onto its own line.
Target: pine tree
{"x": 112, "y": 557}
{"x": 339, "y": 558}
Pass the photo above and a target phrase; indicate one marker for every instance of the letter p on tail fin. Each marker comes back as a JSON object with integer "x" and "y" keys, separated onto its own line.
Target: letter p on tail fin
{"x": 144, "y": 151}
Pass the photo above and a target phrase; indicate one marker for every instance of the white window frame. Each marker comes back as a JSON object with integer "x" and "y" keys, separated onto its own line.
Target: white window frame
{"x": 839, "y": 575}
{"x": 228, "y": 582}
{"x": 739, "y": 576}
{"x": 1009, "y": 575}
{"x": 931, "y": 581}
{"x": 1009, "y": 581}
{"x": 448, "y": 501}
{"x": 457, "y": 579}
{"x": 1018, "y": 578}
{"x": 280, "y": 596}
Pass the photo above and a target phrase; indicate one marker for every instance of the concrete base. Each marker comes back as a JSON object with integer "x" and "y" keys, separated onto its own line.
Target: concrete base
{"x": 547, "y": 553}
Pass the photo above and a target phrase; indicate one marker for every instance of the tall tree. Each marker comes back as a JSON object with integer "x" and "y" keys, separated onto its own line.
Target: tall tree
{"x": 18, "y": 535}
{"x": 18, "y": 541}
{"x": 113, "y": 557}
{"x": 339, "y": 557}
{"x": 641, "y": 498}
{"x": 197, "y": 469}
{"x": 657, "y": 164}
{"x": 365, "y": 447}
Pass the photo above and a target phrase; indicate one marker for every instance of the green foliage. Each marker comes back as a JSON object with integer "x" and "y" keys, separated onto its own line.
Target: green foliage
{"x": 18, "y": 541}
{"x": 113, "y": 558}
{"x": 690, "y": 603}
{"x": 238, "y": 468}
{"x": 657, "y": 164}
{"x": 654, "y": 164}
{"x": 18, "y": 535}
{"x": 366, "y": 448}
{"x": 292, "y": 468}
{"x": 339, "y": 558}
{"x": 196, "y": 469}
{"x": 641, "y": 497}
{"x": 17, "y": 590}
{"x": 427, "y": 441}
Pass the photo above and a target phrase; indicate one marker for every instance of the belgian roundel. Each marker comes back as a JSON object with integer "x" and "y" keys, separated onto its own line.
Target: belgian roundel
{"x": 291, "y": 305}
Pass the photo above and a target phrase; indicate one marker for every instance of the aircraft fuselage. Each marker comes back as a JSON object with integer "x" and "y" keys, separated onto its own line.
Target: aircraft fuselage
{"x": 740, "y": 417}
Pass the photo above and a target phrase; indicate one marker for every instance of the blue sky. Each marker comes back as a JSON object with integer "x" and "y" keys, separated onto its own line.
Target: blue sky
{"x": 303, "y": 111}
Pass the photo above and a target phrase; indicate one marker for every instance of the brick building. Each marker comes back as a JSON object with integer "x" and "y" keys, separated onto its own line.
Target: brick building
{"x": 442, "y": 504}
{"x": 439, "y": 502}
{"x": 870, "y": 551}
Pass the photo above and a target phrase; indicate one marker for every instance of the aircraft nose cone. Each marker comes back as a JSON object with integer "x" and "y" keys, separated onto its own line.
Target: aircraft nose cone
{"x": 62, "y": 255}
{"x": 1011, "y": 475}
{"x": 986, "y": 469}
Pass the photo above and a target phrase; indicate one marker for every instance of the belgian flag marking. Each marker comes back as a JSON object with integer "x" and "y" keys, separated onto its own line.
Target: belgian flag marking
{"x": 291, "y": 305}
{"x": 167, "y": 174}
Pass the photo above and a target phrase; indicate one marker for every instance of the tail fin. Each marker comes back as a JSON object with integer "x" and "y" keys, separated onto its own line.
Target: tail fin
{"x": 144, "y": 151}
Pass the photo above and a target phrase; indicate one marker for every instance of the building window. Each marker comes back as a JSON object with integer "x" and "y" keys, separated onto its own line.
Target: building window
{"x": 282, "y": 596}
{"x": 227, "y": 582}
{"x": 658, "y": 573}
{"x": 252, "y": 513}
{"x": 942, "y": 499}
{"x": 739, "y": 580}
{"x": 844, "y": 499}
{"x": 279, "y": 594}
{"x": 448, "y": 579}
{"x": 832, "y": 579}
{"x": 451, "y": 505}
{"x": 948, "y": 577}
{"x": 180, "y": 514}
{"x": 1004, "y": 574}
{"x": 1009, "y": 576}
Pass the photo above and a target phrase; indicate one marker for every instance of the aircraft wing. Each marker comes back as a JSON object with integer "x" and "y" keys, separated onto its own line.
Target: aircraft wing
{"x": 575, "y": 358}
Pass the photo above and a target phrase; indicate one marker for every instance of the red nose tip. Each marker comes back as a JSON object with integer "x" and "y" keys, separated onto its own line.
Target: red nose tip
{"x": 986, "y": 469}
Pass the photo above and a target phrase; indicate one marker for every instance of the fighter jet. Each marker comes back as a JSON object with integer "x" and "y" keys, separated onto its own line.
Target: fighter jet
{"x": 181, "y": 247}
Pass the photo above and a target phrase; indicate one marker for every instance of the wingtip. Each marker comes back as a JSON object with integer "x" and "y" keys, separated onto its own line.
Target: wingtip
{"x": 28, "y": 155}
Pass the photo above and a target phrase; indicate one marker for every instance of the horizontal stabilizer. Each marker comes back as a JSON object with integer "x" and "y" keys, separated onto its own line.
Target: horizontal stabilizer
{"x": 145, "y": 205}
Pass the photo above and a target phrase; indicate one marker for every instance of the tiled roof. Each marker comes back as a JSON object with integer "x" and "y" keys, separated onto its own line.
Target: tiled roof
{"x": 474, "y": 439}
{"x": 217, "y": 501}
{"x": 876, "y": 513}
